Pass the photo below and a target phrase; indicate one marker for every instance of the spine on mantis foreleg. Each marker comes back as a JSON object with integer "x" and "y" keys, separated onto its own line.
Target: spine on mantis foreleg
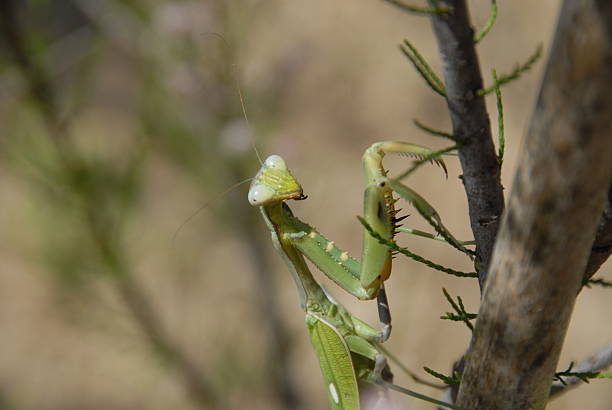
{"x": 345, "y": 346}
{"x": 379, "y": 210}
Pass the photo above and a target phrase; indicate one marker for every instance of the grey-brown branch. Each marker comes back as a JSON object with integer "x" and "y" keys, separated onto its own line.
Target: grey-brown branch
{"x": 546, "y": 234}
{"x": 470, "y": 122}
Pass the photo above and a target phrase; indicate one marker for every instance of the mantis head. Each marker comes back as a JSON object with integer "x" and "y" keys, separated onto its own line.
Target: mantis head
{"x": 274, "y": 183}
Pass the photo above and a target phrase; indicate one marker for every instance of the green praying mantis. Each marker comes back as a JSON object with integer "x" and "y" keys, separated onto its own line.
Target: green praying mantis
{"x": 346, "y": 347}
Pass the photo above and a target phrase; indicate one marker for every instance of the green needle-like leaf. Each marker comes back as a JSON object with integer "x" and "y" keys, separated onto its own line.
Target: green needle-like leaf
{"x": 462, "y": 315}
{"x": 500, "y": 120}
{"x": 435, "y": 132}
{"x": 584, "y": 376}
{"x": 423, "y": 68}
{"x": 437, "y": 9}
{"x": 520, "y": 69}
{"x": 455, "y": 380}
{"x": 428, "y": 213}
{"x": 598, "y": 282}
{"x": 428, "y": 235}
{"x": 414, "y": 256}
{"x": 489, "y": 24}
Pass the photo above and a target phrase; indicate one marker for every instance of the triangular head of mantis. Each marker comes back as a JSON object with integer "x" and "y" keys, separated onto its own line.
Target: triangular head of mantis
{"x": 274, "y": 183}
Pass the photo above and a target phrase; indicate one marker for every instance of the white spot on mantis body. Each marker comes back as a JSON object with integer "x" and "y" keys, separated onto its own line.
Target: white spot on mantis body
{"x": 344, "y": 256}
{"x": 312, "y": 234}
{"x": 334, "y": 393}
{"x": 330, "y": 246}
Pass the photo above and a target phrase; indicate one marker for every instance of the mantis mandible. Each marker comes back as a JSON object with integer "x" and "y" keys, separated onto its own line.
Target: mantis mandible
{"x": 345, "y": 346}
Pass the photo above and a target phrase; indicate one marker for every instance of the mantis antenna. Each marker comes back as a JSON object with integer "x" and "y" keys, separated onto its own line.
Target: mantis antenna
{"x": 206, "y": 205}
{"x": 253, "y": 145}
{"x": 246, "y": 118}
{"x": 240, "y": 95}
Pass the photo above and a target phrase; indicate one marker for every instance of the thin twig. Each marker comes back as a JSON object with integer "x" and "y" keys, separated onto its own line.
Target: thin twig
{"x": 455, "y": 380}
{"x": 500, "y": 120}
{"x": 423, "y": 234}
{"x": 421, "y": 396}
{"x": 462, "y": 315}
{"x": 516, "y": 73}
{"x": 599, "y": 360}
{"x": 406, "y": 370}
{"x": 419, "y": 9}
{"x": 434, "y": 132}
{"x": 598, "y": 282}
{"x": 414, "y": 256}
{"x": 489, "y": 24}
{"x": 470, "y": 122}
{"x": 423, "y": 68}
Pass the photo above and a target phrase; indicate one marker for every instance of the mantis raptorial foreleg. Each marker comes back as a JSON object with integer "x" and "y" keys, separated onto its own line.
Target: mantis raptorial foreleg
{"x": 345, "y": 346}
{"x": 363, "y": 279}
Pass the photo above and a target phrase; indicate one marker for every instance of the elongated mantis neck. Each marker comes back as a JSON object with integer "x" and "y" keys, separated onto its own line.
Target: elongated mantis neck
{"x": 278, "y": 218}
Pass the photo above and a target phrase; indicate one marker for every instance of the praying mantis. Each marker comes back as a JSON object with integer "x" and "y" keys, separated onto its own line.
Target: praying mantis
{"x": 346, "y": 347}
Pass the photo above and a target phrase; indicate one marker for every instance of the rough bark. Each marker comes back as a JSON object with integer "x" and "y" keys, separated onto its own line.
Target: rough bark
{"x": 470, "y": 121}
{"x": 546, "y": 234}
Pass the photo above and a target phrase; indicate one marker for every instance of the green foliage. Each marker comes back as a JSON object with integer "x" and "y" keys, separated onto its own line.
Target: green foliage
{"x": 500, "y": 120}
{"x": 462, "y": 315}
{"x": 489, "y": 24}
{"x": 515, "y": 74}
{"x": 598, "y": 282}
{"x": 435, "y": 132}
{"x": 418, "y": 258}
{"x": 584, "y": 376}
{"x": 424, "y": 234}
{"x": 455, "y": 380}
{"x": 421, "y": 396}
{"x": 428, "y": 213}
{"x": 426, "y": 72}
{"x": 437, "y": 9}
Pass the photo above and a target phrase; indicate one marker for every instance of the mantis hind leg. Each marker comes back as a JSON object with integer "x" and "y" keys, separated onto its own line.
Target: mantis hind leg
{"x": 378, "y": 369}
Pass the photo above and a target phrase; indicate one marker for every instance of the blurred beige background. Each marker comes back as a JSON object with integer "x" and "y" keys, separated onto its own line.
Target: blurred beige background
{"x": 151, "y": 81}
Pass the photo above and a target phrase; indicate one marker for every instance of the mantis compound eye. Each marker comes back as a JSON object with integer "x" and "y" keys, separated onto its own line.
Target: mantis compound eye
{"x": 276, "y": 162}
{"x": 260, "y": 193}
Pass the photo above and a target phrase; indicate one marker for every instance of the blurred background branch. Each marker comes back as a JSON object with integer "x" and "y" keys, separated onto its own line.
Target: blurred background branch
{"x": 91, "y": 188}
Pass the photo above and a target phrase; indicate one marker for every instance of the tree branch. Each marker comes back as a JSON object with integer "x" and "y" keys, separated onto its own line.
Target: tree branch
{"x": 470, "y": 121}
{"x": 547, "y": 232}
